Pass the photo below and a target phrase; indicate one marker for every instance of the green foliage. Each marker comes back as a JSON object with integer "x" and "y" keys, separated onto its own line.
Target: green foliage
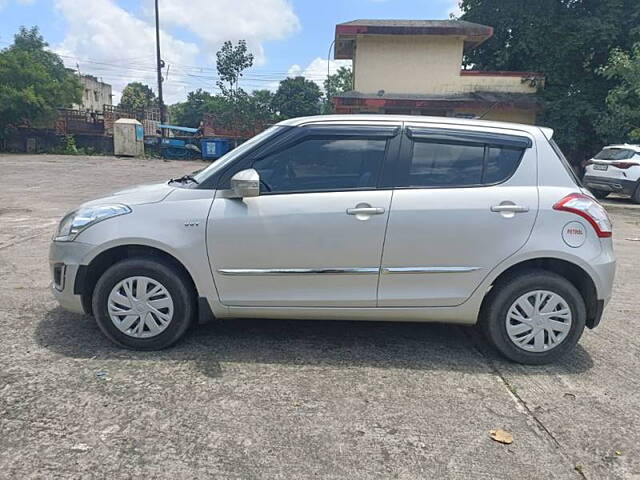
{"x": 233, "y": 108}
{"x": 339, "y": 82}
{"x": 569, "y": 41}
{"x": 238, "y": 110}
{"x": 189, "y": 113}
{"x": 621, "y": 121}
{"x": 33, "y": 82}
{"x": 137, "y": 96}
{"x": 231, "y": 61}
{"x": 297, "y": 97}
{"x": 245, "y": 112}
{"x": 67, "y": 146}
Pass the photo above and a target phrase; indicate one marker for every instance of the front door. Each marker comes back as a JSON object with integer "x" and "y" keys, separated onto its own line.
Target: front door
{"x": 314, "y": 236}
{"x": 465, "y": 201}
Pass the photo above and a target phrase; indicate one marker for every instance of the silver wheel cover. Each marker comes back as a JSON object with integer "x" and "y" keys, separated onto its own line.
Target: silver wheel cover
{"x": 140, "y": 307}
{"x": 538, "y": 321}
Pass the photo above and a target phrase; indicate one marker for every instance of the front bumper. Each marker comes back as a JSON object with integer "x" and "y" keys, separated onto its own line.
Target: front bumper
{"x": 607, "y": 184}
{"x": 65, "y": 259}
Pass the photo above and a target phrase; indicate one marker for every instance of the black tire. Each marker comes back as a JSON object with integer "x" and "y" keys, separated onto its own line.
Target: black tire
{"x": 600, "y": 194}
{"x": 635, "y": 197}
{"x": 507, "y": 291}
{"x": 175, "y": 282}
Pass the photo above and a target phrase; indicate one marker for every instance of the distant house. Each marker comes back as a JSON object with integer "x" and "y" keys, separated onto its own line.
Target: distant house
{"x": 414, "y": 67}
{"x": 95, "y": 94}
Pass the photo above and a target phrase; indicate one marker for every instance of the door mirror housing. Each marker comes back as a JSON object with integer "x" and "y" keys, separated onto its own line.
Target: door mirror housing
{"x": 245, "y": 183}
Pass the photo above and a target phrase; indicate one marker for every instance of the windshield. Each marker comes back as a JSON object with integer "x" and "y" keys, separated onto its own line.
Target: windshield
{"x": 614, "y": 154}
{"x": 235, "y": 153}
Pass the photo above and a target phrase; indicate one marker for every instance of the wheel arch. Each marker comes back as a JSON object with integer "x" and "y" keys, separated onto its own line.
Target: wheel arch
{"x": 88, "y": 275}
{"x": 574, "y": 273}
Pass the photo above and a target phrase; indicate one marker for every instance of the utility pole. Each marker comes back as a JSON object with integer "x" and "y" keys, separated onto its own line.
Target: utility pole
{"x": 160, "y": 65}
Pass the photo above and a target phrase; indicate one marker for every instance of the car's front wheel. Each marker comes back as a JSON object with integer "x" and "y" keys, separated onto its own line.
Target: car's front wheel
{"x": 143, "y": 304}
{"x": 535, "y": 317}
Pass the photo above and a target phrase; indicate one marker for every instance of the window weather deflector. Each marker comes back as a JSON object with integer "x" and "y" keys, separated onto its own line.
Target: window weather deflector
{"x": 441, "y": 135}
{"x": 372, "y": 131}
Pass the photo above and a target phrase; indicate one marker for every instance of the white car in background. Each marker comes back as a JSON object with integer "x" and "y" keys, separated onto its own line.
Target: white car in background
{"x": 615, "y": 169}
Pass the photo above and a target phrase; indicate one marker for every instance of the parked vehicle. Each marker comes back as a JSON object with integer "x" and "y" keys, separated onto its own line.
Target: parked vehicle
{"x": 616, "y": 168}
{"x": 358, "y": 217}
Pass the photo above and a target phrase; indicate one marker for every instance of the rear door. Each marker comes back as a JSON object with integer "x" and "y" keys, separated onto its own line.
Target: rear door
{"x": 464, "y": 201}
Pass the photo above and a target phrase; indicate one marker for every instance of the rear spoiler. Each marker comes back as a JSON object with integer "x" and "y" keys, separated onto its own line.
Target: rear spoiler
{"x": 548, "y": 132}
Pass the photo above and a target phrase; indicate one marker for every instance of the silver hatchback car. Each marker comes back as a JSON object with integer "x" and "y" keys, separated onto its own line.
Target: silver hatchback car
{"x": 393, "y": 218}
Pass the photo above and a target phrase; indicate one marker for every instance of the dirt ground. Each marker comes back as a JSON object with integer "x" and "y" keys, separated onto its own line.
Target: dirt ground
{"x": 258, "y": 399}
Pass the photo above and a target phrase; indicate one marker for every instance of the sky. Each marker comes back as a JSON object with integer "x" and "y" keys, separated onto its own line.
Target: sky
{"x": 115, "y": 39}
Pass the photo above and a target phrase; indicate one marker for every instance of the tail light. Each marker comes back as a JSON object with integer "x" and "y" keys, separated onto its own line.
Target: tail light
{"x": 624, "y": 165}
{"x": 588, "y": 209}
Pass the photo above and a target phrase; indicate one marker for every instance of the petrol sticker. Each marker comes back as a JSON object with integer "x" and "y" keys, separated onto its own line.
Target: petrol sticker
{"x": 574, "y": 234}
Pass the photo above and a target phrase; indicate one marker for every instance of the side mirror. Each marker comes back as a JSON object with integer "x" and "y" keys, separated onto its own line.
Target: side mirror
{"x": 245, "y": 183}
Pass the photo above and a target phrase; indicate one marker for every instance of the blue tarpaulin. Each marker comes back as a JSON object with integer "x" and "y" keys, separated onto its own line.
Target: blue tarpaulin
{"x": 179, "y": 129}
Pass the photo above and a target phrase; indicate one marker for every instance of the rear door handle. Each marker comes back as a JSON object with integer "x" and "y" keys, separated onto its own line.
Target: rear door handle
{"x": 365, "y": 211}
{"x": 509, "y": 208}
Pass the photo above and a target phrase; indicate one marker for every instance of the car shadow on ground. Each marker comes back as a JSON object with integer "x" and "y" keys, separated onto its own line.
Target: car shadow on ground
{"x": 421, "y": 346}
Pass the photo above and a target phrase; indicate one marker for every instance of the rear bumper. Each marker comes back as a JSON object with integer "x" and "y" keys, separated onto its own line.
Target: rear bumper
{"x": 607, "y": 184}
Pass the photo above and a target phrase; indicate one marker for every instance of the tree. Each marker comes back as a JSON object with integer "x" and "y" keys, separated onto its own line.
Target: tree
{"x": 33, "y": 82}
{"x": 569, "y": 41}
{"x": 231, "y": 61}
{"x": 191, "y": 112}
{"x": 297, "y": 97}
{"x": 262, "y": 107}
{"x": 339, "y": 82}
{"x": 621, "y": 121}
{"x": 137, "y": 96}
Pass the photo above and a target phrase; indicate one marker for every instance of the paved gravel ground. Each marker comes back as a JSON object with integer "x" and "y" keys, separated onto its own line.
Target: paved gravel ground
{"x": 291, "y": 399}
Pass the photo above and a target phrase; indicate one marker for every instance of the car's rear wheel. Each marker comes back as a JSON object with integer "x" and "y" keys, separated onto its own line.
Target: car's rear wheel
{"x": 535, "y": 317}
{"x": 143, "y": 304}
{"x": 600, "y": 194}
{"x": 635, "y": 197}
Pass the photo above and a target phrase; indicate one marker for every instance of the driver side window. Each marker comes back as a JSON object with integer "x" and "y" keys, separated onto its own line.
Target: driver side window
{"x": 323, "y": 164}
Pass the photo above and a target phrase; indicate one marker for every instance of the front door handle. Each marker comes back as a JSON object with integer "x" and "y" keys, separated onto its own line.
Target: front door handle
{"x": 365, "y": 211}
{"x": 509, "y": 208}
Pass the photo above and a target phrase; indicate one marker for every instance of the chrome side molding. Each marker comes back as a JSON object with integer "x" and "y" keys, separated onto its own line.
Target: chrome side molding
{"x": 342, "y": 271}
{"x": 299, "y": 271}
{"x": 429, "y": 269}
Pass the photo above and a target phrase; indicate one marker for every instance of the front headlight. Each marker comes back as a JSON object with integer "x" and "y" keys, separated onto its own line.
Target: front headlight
{"x": 78, "y": 220}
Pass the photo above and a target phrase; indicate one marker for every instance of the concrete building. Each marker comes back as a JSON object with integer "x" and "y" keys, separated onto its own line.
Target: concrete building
{"x": 95, "y": 95}
{"x": 414, "y": 67}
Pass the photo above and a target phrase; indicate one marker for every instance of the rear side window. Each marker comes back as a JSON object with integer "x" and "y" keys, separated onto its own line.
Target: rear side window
{"x": 501, "y": 163}
{"x": 461, "y": 165}
{"x": 441, "y": 164}
{"x": 615, "y": 154}
{"x": 321, "y": 164}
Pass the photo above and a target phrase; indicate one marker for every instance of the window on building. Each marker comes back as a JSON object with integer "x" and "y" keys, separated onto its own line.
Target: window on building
{"x": 323, "y": 164}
